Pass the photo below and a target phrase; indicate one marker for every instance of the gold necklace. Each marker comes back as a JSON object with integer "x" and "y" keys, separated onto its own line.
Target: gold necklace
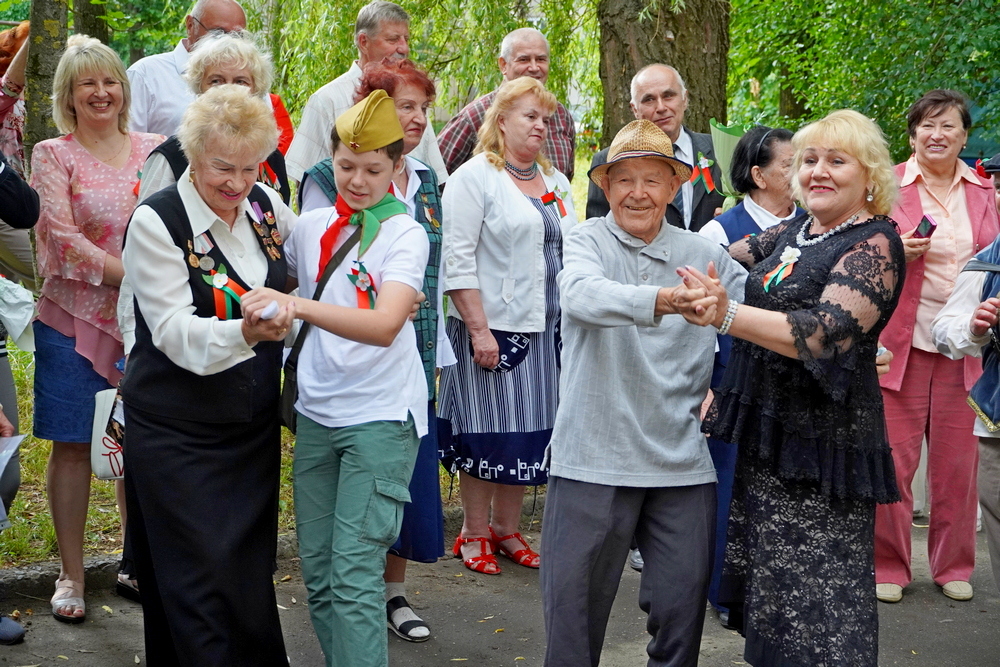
{"x": 115, "y": 156}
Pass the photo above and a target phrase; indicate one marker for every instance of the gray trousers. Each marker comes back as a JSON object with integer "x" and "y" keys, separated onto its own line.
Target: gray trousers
{"x": 586, "y": 532}
{"x": 989, "y": 498}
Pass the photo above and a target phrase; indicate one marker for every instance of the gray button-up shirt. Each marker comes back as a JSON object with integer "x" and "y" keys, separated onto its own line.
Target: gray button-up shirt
{"x": 632, "y": 383}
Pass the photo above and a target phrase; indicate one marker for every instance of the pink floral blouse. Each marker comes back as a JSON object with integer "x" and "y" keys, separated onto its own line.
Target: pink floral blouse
{"x": 85, "y": 206}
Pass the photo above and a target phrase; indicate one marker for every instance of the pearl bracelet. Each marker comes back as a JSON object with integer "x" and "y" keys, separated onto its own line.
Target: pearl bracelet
{"x": 727, "y": 321}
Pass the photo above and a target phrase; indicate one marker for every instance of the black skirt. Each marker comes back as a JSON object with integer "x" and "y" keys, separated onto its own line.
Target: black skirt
{"x": 202, "y": 522}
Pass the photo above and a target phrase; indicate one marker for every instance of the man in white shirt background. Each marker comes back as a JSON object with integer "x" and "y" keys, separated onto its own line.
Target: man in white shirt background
{"x": 159, "y": 93}
{"x": 382, "y": 30}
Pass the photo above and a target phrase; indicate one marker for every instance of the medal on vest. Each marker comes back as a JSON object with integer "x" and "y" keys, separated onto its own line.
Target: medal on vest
{"x": 206, "y": 263}
{"x": 429, "y": 211}
{"x": 192, "y": 258}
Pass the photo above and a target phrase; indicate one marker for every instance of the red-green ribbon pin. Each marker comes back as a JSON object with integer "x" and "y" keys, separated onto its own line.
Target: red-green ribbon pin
{"x": 362, "y": 280}
{"x": 788, "y": 258}
{"x": 552, "y": 198}
{"x": 227, "y": 292}
{"x": 703, "y": 172}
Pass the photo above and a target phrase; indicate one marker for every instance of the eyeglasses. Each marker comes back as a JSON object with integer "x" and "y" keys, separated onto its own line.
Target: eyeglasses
{"x": 216, "y": 31}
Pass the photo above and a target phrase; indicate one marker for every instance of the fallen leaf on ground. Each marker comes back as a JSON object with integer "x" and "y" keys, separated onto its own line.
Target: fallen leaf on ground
{"x": 16, "y": 615}
{"x": 293, "y": 600}
{"x": 460, "y": 660}
{"x": 280, "y": 607}
{"x": 137, "y": 660}
{"x": 62, "y": 657}
{"x": 498, "y": 630}
{"x": 108, "y": 609}
{"x": 287, "y": 577}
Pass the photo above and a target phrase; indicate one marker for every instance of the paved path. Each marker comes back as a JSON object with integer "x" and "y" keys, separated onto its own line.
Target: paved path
{"x": 479, "y": 620}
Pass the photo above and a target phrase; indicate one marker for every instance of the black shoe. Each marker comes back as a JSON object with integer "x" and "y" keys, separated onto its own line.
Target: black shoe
{"x": 408, "y": 630}
{"x": 127, "y": 588}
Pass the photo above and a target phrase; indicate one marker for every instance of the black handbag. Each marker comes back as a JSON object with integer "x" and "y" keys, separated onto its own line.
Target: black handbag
{"x": 290, "y": 388}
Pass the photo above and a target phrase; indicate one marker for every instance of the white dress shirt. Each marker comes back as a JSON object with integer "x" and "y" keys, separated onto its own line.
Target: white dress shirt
{"x": 312, "y": 138}
{"x": 493, "y": 241}
{"x": 343, "y": 382}
{"x": 684, "y": 151}
{"x": 951, "y": 330}
{"x": 157, "y": 272}
{"x": 159, "y": 92}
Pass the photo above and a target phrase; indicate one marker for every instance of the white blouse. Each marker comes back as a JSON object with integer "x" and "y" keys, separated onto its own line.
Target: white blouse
{"x": 493, "y": 239}
{"x": 157, "y": 271}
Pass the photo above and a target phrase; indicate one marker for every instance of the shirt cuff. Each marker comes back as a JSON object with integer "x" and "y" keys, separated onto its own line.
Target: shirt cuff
{"x": 233, "y": 334}
{"x": 644, "y": 306}
{"x": 461, "y": 282}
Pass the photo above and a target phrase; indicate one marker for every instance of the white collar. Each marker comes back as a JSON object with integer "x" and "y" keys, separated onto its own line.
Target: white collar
{"x": 761, "y": 215}
{"x": 181, "y": 57}
{"x": 684, "y": 144}
{"x": 199, "y": 214}
{"x": 412, "y": 166}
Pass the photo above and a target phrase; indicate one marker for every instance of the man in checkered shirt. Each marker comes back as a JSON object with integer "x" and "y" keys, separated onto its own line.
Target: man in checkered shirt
{"x": 523, "y": 52}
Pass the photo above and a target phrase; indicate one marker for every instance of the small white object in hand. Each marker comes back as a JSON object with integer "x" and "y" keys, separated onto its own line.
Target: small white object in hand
{"x": 270, "y": 311}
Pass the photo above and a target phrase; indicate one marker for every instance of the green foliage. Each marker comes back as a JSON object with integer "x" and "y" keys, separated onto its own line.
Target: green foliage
{"x": 14, "y": 10}
{"x": 875, "y": 57}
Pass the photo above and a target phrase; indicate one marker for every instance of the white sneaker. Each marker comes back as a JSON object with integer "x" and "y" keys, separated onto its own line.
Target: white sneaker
{"x": 889, "y": 592}
{"x": 958, "y": 590}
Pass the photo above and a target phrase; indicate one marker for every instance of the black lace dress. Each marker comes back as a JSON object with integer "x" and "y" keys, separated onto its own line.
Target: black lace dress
{"x": 813, "y": 456}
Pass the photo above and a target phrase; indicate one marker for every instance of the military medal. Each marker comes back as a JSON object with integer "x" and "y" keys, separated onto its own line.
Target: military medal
{"x": 192, "y": 259}
{"x": 206, "y": 263}
{"x": 276, "y": 236}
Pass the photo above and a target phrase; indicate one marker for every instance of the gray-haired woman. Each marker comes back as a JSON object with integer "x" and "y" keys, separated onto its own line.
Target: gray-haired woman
{"x": 201, "y": 393}
{"x": 232, "y": 58}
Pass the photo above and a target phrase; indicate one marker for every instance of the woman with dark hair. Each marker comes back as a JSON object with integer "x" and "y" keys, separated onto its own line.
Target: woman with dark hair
{"x": 421, "y": 538}
{"x": 924, "y": 391}
{"x": 762, "y": 172}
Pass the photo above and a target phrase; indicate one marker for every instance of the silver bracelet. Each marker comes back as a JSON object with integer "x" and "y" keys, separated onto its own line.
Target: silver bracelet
{"x": 727, "y": 321}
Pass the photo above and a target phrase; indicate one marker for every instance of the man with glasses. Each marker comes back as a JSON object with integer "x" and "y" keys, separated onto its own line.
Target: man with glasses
{"x": 159, "y": 93}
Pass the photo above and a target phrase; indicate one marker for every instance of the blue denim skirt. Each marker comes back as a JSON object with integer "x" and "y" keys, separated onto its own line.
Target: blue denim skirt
{"x": 65, "y": 384}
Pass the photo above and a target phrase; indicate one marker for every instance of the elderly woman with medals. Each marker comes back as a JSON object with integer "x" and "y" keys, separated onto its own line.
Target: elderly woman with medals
{"x": 201, "y": 393}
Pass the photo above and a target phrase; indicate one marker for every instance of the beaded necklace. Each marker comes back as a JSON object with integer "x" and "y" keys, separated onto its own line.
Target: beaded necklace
{"x": 801, "y": 239}
{"x": 521, "y": 174}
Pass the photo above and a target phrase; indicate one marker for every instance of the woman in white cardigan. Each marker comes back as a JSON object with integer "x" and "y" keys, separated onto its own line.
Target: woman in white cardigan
{"x": 505, "y": 211}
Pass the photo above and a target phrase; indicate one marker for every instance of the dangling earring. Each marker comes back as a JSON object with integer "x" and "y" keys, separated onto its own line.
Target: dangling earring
{"x": 870, "y": 196}
{"x": 191, "y": 174}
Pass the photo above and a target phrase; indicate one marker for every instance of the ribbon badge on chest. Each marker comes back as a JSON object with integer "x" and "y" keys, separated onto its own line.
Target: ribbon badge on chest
{"x": 703, "y": 172}
{"x": 429, "y": 211}
{"x": 227, "y": 292}
{"x": 362, "y": 280}
{"x": 550, "y": 198}
{"x": 788, "y": 258}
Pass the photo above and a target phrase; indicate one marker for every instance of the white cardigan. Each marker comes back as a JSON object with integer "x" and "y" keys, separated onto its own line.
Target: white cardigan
{"x": 493, "y": 238}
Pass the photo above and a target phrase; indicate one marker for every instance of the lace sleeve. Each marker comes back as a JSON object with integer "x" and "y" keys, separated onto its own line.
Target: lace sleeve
{"x": 752, "y": 249}
{"x": 859, "y": 294}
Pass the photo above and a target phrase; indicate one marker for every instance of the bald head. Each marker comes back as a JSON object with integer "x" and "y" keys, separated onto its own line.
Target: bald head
{"x": 524, "y": 52}
{"x": 659, "y": 95}
{"x": 209, "y": 15}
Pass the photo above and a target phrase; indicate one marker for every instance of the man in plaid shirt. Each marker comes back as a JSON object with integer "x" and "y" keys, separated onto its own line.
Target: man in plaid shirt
{"x": 523, "y": 52}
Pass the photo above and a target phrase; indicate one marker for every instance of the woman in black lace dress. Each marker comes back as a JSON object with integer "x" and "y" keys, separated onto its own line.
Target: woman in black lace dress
{"x": 801, "y": 399}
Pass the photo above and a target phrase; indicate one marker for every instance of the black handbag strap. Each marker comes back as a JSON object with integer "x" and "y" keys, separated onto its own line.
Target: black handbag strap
{"x": 331, "y": 266}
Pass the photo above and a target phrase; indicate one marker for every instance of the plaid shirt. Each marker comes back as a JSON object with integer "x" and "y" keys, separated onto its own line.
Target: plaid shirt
{"x": 460, "y": 135}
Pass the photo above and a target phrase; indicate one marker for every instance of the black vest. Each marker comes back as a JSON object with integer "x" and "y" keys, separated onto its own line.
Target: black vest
{"x": 171, "y": 150}
{"x": 155, "y": 384}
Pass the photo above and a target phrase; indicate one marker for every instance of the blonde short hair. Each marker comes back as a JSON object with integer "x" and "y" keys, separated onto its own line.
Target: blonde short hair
{"x": 491, "y": 139}
{"x": 86, "y": 55}
{"x": 232, "y": 115}
{"x": 861, "y": 138}
{"x": 230, "y": 50}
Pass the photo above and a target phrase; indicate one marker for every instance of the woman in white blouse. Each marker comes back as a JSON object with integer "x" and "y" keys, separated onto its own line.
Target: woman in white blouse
{"x": 201, "y": 393}
{"x": 504, "y": 214}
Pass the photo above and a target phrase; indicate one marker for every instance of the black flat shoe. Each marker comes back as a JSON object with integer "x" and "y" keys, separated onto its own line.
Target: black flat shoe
{"x": 127, "y": 589}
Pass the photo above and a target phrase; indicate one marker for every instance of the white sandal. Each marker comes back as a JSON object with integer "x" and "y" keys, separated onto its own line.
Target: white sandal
{"x": 74, "y": 599}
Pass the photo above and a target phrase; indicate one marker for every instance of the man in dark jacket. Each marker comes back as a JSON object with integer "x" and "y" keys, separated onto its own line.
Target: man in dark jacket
{"x": 659, "y": 95}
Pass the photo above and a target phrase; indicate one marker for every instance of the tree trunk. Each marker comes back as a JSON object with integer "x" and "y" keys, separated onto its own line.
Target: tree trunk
{"x": 694, "y": 40}
{"x": 48, "y": 41}
{"x": 87, "y": 21}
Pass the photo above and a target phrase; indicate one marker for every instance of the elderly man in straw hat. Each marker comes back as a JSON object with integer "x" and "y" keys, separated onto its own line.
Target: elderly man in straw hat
{"x": 627, "y": 454}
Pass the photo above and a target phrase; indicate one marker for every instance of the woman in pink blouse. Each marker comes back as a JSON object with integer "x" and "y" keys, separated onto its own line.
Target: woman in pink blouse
{"x": 924, "y": 391}
{"x": 87, "y": 181}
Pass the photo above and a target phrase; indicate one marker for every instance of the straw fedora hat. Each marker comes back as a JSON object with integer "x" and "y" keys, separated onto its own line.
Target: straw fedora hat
{"x": 640, "y": 138}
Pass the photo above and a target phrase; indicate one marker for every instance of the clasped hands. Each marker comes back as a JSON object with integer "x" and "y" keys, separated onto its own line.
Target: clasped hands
{"x": 700, "y": 298}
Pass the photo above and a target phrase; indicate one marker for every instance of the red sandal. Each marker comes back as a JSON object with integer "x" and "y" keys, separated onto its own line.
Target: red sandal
{"x": 484, "y": 560}
{"x": 525, "y": 556}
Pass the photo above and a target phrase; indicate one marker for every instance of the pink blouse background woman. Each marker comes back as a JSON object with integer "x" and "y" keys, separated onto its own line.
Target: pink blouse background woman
{"x": 87, "y": 181}
{"x": 924, "y": 391}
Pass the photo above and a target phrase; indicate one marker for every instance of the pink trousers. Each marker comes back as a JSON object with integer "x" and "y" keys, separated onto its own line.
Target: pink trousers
{"x": 931, "y": 403}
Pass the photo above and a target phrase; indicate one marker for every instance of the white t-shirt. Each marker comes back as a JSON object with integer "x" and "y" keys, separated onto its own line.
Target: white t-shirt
{"x": 343, "y": 382}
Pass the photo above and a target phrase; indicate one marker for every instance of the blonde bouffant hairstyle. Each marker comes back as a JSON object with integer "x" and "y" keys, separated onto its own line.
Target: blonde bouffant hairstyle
{"x": 491, "y": 138}
{"x": 861, "y": 138}
{"x": 85, "y": 55}
{"x": 231, "y": 115}
{"x": 230, "y": 50}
